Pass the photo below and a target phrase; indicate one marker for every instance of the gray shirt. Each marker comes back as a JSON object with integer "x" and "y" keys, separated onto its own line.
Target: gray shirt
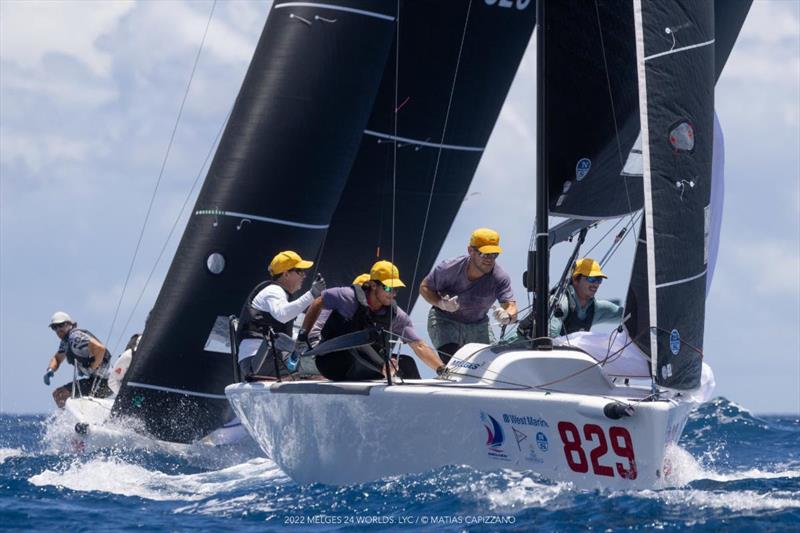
{"x": 475, "y": 298}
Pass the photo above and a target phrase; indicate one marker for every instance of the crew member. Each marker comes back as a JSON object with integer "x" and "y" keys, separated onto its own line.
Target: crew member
{"x": 577, "y": 308}
{"x": 361, "y": 307}
{"x": 462, "y": 290}
{"x": 81, "y": 349}
{"x": 268, "y": 306}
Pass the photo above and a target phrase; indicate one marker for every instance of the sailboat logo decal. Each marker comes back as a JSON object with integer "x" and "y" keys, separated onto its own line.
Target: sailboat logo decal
{"x": 582, "y": 168}
{"x": 495, "y": 436}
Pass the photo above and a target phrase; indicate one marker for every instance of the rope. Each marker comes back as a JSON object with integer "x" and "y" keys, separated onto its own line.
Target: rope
{"x": 161, "y": 172}
{"x": 439, "y": 152}
{"x": 172, "y": 230}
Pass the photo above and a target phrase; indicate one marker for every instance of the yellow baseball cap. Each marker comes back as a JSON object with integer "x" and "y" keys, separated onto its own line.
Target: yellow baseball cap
{"x": 486, "y": 240}
{"x": 588, "y": 267}
{"x": 361, "y": 279}
{"x": 386, "y": 273}
{"x": 286, "y": 261}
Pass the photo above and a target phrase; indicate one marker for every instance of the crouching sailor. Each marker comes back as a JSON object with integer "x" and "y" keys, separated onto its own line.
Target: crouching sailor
{"x": 578, "y": 309}
{"x": 82, "y": 350}
{"x": 370, "y": 305}
{"x": 268, "y": 306}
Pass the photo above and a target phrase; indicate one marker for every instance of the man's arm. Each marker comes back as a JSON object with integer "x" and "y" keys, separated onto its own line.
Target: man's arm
{"x": 312, "y": 314}
{"x": 97, "y": 351}
{"x": 430, "y": 295}
{"x": 56, "y": 361}
{"x": 426, "y": 354}
{"x": 605, "y": 311}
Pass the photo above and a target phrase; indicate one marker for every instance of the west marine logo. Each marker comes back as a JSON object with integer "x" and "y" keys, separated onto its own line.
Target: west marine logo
{"x": 494, "y": 437}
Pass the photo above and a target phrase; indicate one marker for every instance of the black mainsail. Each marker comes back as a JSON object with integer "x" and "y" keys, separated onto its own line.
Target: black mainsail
{"x": 445, "y": 82}
{"x": 274, "y": 183}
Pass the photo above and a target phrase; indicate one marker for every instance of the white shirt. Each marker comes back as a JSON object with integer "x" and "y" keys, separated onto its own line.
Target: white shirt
{"x": 273, "y": 300}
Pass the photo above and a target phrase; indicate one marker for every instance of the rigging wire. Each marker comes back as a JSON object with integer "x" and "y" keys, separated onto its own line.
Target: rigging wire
{"x": 161, "y": 172}
{"x": 172, "y": 230}
{"x": 441, "y": 143}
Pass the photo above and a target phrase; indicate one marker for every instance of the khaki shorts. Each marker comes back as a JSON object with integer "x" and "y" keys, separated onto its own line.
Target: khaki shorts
{"x": 443, "y": 330}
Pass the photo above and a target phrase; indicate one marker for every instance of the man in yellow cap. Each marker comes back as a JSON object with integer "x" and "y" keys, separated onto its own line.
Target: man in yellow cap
{"x": 359, "y": 307}
{"x": 578, "y": 309}
{"x": 268, "y": 306}
{"x": 463, "y": 289}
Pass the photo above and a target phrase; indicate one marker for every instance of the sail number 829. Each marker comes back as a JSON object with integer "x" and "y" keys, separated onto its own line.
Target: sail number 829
{"x": 621, "y": 443}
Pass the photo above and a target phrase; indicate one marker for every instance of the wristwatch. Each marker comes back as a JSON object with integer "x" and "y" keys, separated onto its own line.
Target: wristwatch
{"x": 440, "y": 370}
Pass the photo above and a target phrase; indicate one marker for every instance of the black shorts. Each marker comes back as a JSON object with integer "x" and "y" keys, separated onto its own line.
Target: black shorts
{"x": 85, "y": 387}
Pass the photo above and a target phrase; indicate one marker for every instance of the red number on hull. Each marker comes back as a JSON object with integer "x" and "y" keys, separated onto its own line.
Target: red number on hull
{"x": 572, "y": 445}
{"x": 621, "y": 443}
{"x": 625, "y": 450}
{"x": 600, "y": 451}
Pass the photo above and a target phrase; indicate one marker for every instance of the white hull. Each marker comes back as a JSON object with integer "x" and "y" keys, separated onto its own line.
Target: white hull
{"x": 339, "y": 433}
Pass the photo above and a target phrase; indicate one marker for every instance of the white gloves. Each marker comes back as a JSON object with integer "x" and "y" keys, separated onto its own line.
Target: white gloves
{"x": 448, "y": 304}
{"x": 502, "y": 316}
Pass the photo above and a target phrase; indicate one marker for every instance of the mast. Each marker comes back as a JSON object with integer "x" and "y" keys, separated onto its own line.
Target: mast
{"x": 542, "y": 275}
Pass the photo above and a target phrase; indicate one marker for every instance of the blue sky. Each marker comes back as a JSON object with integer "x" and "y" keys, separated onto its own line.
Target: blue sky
{"x": 89, "y": 92}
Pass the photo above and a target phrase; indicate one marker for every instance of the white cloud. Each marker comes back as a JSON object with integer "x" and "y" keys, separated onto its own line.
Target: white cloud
{"x": 32, "y": 30}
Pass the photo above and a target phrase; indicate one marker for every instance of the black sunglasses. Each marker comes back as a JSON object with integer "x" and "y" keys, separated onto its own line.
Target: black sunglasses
{"x": 483, "y": 255}
{"x": 56, "y": 326}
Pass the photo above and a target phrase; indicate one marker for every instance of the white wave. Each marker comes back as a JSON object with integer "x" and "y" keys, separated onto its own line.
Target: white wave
{"x": 520, "y": 491}
{"x": 736, "y": 501}
{"x": 685, "y": 469}
{"x": 8, "y": 453}
{"x": 115, "y": 476}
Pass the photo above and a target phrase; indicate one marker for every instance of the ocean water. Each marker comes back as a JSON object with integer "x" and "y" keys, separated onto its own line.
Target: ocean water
{"x": 734, "y": 471}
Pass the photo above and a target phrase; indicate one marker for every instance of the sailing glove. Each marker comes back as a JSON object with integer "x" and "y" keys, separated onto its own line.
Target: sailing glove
{"x": 318, "y": 286}
{"x": 448, "y": 304}
{"x": 47, "y": 375}
{"x": 502, "y": 316}
{"x": 302, "y": 345}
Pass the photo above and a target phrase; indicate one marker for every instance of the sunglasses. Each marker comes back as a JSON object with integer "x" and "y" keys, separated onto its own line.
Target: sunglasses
{"x": 594, "y": 279}
{"x": 485, "y": 256}
{"x": 56, "y": 326}
{"x": 301, "y": 271}
{"x": 387, "y": 289}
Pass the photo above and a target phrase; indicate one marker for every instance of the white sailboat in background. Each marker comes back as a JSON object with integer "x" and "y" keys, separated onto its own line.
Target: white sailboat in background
{"x": 527, "y": 405}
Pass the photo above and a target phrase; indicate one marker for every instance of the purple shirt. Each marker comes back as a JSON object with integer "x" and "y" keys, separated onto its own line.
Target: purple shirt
{"x": 343, "y": 300}
{"x": 475, "y": 298}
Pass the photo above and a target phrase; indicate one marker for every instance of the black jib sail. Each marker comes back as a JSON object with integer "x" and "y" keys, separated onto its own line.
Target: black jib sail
{"x": 675, "y": 59}
{"x": 444, "y": 84}
{"x": 273, "y": 184}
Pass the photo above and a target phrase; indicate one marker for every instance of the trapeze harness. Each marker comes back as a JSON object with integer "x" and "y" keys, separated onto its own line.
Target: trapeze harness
{"x": 354, "y": 364}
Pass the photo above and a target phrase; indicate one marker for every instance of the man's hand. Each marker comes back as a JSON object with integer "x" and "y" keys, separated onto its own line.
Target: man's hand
{"x": 302, "y": 345}
{"x": 318, "y": 286}
{"x": 448, "y": 304}
{"x": 502, "y": 316}
{"x": 48, "y": 375}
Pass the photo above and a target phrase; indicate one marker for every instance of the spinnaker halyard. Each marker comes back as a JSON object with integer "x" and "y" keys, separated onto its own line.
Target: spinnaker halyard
{"x": 274, "y": 183}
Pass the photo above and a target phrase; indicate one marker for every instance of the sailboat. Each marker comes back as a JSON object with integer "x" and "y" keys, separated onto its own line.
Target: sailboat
{"x": 647, "y": 69}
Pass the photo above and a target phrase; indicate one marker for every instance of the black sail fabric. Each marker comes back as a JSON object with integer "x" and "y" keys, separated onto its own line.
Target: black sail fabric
{"x": 273, "y": 185}
{"x": 675, "y": 42}
{"x": 452, "y": 70}
{"x": 593, "y": 109}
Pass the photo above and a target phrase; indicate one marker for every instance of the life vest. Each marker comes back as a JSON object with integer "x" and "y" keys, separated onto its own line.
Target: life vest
{"x": 571, "y": 323}
{"x": 254, "y": 323}
{"x": 363, "y": 318}
{"x": 83, "y": 362}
